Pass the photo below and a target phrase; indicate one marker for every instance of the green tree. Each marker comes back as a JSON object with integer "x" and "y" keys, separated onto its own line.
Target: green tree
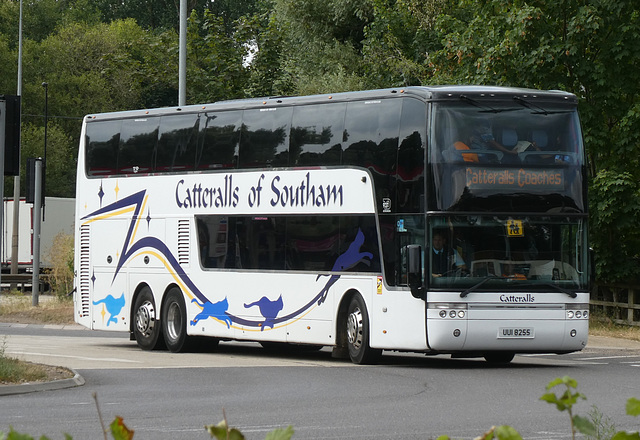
{"x": 61, "y": 157}
{"x": 615, "y": 215}
{"x": 398, "y": 40}
{"x": 215, "y": 60}
{"x": 265, "y": 59}
{"x": 322, "y": 43}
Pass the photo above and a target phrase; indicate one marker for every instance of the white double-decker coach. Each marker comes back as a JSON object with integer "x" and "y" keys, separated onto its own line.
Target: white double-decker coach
{"x": 442, "y": 220}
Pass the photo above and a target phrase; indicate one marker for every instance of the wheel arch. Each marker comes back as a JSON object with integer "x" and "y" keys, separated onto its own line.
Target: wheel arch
{"x": 166, "y": 291}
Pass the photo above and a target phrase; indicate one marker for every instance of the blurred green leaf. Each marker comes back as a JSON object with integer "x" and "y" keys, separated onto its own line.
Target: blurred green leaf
{"x": 633, "y": 407}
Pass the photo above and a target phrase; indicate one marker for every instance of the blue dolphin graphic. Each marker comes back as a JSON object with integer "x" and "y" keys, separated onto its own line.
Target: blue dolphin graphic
{"x": 268, "y": 309}
{"x": 113, "y": 305}
{"x": 212, "y": 310}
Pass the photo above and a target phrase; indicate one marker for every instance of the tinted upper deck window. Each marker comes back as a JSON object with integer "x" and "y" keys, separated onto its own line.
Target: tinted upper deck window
{"x": 102, "y": 139}
{"x": 316, "y": 135}
{"x": 138, "y": 139}
{"x": 177, "y": 143}
{"x": 264, "y": 137}
{"x": 219, "y": 147}
{"x": 371, "y": 141}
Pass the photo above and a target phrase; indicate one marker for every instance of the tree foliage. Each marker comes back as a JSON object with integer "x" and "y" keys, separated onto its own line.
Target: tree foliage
{"x": 106, "y": 55}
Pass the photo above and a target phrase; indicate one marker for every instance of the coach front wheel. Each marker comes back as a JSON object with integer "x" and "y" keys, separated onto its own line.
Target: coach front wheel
{"x": 499, "y": 357}
{"x": 357, "y": 329}
{"x": 146, "y": 326}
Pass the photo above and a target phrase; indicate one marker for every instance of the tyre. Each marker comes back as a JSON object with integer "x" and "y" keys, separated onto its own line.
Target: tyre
{"x": 357, "y": 329}
{"x": 146, "y": 324}
{"x": 174, "y": 321}
{"x": 499, "y": 357}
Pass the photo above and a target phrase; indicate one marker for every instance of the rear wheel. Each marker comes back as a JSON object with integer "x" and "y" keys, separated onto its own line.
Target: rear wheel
{"x": 146, "y": 326}
{"x": 174, "y": 321}
{"x": 357, "y": 329}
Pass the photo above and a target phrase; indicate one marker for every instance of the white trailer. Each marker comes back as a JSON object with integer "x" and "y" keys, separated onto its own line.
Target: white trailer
{"x": 59, "y": 217}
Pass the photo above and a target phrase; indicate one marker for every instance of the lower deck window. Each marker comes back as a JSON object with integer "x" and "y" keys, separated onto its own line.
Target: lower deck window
{"x": 297, "y": 243}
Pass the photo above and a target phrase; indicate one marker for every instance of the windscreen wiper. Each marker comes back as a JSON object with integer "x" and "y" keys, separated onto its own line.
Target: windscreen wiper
{"x": 464, "y": 293}
{"x": 537, "y": 110}
{"x": 571, "y": 293}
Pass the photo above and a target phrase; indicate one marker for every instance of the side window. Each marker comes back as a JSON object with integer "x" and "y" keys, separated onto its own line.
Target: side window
{"x": 138, "y": 140}
{"x": 219, "y": 147}
{"x": 359, "y": 244}
{"x": 260, "y": 241}
{"x": 102, "y": 139}
{"x": 411, "y": 154}
{"x": 264, "y": 138}
{"x": 371, "y": 141}
{"x": 292, "y": 243}
{"x": 214, "y": 241}
{"x": 316, "y": 135}
{"x": 313, "y": 242}
{"x": 177, "y": 143}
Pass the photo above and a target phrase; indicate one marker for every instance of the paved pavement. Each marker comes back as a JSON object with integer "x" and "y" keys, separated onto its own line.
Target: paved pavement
{"x": 90, "y": 350}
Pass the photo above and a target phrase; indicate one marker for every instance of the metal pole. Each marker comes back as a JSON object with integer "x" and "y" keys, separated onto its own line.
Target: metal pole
{"x": 44, "y": 161}
{"x": 182, "y": 59}
{"x": 16, "y": 178}
{"x": 37, "y": 207}
{"x": 3, "y": 110}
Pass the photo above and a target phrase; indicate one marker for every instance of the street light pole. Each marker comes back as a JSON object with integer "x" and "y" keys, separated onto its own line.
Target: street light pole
{"x": 182, "y": 56}
{"x": 44, "y": 159}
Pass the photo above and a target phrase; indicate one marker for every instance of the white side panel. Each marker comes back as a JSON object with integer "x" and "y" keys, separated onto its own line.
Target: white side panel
{"x": 397, "y": 320}
{"x": 110, "y": 293}
{"x": 266, "y": 306}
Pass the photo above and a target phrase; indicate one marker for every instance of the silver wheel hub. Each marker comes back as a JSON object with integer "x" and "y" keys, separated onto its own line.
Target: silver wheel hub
{"x": 174, "y": 321}
{"x": 354, "y": 328}
{"x": 146, "y": 318}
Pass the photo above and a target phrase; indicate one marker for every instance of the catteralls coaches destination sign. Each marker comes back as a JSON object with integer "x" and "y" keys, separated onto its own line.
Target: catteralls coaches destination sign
{"x": 515, "y": 178}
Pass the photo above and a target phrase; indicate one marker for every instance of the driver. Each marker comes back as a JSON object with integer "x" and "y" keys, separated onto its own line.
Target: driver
{"x": 443, "y": 258}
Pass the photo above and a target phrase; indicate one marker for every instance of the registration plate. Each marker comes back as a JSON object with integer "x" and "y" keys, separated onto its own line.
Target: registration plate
{"x": 516, "y": 333}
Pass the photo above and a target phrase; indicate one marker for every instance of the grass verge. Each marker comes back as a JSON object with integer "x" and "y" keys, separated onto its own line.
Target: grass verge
{"x": 600, "y": 325}
{"x": 17, "y": 308}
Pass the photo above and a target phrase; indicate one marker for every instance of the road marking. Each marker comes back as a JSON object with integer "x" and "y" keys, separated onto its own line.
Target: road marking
{"x": 83, "y": 358}
{"x": 608, "y": 357}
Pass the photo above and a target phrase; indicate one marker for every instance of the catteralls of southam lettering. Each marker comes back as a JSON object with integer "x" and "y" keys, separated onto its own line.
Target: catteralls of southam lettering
{"x": 199, "y": 197}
